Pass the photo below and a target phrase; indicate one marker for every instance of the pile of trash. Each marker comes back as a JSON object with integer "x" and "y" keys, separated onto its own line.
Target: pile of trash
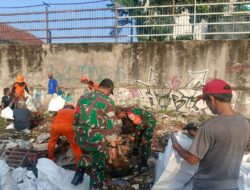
{"x": 123, "y": 173}
{"x": 24, "y": 155}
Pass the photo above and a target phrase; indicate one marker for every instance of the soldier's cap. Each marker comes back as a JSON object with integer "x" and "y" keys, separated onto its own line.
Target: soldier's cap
{"x": 107, "y": 83}
{"x": 191, "y": 126}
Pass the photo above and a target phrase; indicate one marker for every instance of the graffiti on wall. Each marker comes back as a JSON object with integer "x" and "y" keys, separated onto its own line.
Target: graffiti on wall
{"x": 174, "y": 94}
{"x": 41, "y": 99}
{"x": 69, "y": 75}
{"x": 238, "y": 68}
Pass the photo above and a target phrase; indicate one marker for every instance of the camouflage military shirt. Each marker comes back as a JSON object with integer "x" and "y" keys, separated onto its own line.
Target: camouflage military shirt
{"x": 147, "y": 118}
{"x": 94, "y": 121}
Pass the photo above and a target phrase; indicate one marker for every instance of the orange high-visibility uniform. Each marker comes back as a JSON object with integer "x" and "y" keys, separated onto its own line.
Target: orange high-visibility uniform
{"x": 20, "y": 90}
{"x": 63, "y": 126}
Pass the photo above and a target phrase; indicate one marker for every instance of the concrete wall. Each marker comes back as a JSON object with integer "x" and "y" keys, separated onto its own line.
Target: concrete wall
{"x": 161, "y": 76}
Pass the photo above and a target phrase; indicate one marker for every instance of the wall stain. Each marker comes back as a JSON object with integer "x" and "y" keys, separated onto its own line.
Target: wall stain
{"x": 80, "y": 48}
{"x": 33, "y": 57}
{"x": 14, "y": 59}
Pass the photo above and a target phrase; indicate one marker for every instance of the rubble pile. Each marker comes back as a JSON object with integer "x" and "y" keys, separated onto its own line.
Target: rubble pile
{"x": 172, "y": 121}
{"x": 165, "y": 122}
{"x": 122, "y": 172}
{"x": 44, "y": 125}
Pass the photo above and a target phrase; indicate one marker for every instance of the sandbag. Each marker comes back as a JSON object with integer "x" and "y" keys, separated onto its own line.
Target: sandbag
{"x": 173, "y": 172}
{"x": 7, "y": 113}
{"x": 6, "y": 180}
{"x": 56, "y": 103}
{"x": 53, "y": 177}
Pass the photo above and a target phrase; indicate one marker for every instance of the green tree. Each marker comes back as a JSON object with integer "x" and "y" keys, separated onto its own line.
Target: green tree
{"x": 150, "y": 30}
{"x": 158, "y": 30}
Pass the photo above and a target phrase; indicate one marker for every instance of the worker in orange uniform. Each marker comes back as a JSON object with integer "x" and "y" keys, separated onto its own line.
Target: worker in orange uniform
{"x": 62, "y": 125}
{"x": 91, "y": 84}
{"x": 19, "y": 88}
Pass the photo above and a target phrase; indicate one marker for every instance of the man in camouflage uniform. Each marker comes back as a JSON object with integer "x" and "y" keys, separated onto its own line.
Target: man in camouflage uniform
{"x": 142, "y": 123}
{"x": 93, "y": 130}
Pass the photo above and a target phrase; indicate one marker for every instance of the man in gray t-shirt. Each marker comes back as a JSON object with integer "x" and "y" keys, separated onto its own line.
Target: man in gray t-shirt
{"x": 220, "y": 143}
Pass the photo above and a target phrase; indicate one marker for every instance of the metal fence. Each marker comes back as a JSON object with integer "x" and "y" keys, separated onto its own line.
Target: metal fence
{"x": 125, "y": 21}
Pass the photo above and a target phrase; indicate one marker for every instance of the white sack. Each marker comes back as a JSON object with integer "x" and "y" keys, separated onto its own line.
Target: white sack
{"x": 24, "y": 179}
{"x": 7, "y": 113}
{"x": 30, "y": 104}
{"x": 10, "y": 126}
{"x": 56, "y": 103}
{"x": 6, "y": 181}
{"x": 53, "y": 177}
{"x": 172, "y": 172}
{"x": 244, "y": 180}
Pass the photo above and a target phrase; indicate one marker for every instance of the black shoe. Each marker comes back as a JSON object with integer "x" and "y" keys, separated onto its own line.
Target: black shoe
{"x": 78, "y": 178}
{"x": 135, "y": 152}
{"x": 143, "y": 169}
{"x": 143, "y": 166}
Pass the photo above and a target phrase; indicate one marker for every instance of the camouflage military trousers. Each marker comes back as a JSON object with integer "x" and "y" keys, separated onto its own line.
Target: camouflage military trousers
{"x": 143, "y": 139}
{"x": 94, "y": 162}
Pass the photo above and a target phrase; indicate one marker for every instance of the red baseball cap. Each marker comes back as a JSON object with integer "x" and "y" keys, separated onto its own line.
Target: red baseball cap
{"x": 215, "y": 86}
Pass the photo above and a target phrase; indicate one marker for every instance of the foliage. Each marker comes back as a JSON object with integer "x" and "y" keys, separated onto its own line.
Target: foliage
{"x": 1, "y": 125}
{"x": 183, "y": 37}
{"x": 170, "y": 19}
{"x": 147, "y": 21}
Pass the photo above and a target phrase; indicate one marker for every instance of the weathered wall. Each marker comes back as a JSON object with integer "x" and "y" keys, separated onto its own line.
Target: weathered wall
{"x": 165, "y": 75}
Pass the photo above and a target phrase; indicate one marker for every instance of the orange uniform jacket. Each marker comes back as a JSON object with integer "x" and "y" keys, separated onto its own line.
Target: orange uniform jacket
{"x": 62, "y": 125}
{"x": 65, "y": 116}
{"x": 20, "y": 90}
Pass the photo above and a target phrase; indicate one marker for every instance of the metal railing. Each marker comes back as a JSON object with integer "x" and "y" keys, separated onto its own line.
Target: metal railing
{"x": 124, "y": 21}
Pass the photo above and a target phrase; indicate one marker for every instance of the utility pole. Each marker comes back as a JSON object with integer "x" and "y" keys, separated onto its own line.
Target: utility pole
{"x": 116, "y": 21}
{"x": 48, "y": 33}
{"x": 173, "y": 9}
{"x": 194, "y": 36}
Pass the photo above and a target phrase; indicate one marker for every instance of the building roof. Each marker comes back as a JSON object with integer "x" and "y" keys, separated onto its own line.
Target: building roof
{"x": 11, "y": 35}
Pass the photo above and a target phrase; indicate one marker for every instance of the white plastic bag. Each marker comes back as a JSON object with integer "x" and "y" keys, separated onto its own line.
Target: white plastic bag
{"x": 56, "y": 103}
{"x": 24, "y": 179}
{"x": 7, "y": 113}
{"x": 53, "y": 177}
{"x": 7, "y": 182}
{"x": 172, "y": 172}
{"x": 30, "y": 105}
